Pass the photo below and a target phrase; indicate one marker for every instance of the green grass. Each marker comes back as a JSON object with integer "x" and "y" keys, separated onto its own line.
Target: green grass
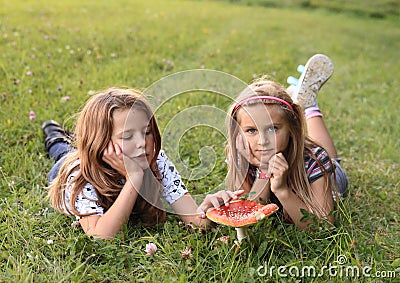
{"x": 81, "y": 46}
{"x": 368, "y": 8}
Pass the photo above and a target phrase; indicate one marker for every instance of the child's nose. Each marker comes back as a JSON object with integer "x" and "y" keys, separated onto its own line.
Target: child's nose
{"x": 140, "y": 141}
{"x": 263, "y": 139}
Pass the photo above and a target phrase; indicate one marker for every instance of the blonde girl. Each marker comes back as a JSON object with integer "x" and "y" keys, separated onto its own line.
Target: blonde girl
{"x": 118, "y": 171}
{"x": 271, "y": 156}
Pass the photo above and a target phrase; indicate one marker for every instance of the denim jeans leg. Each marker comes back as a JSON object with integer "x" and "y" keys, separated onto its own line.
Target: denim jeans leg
{"x": 342, "y": 180}
{"x": 58, "y": 152}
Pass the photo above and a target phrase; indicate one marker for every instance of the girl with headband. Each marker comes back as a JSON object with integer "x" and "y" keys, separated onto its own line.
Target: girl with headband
{"x": 272, "y": 157}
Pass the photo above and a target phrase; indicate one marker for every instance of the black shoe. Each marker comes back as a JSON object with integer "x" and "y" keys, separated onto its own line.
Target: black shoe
{"x": 53, "y": 132}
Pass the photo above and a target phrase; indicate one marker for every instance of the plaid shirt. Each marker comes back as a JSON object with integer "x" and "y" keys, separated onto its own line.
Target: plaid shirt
{"x": 313, "y": 169}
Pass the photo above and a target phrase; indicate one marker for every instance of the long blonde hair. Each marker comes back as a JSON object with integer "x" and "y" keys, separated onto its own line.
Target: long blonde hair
{"x": 93, "y": 132}
{"x": 299, "y": 143}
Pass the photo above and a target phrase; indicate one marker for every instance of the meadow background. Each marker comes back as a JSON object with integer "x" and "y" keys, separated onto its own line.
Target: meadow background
{"x": 54, "y": 54}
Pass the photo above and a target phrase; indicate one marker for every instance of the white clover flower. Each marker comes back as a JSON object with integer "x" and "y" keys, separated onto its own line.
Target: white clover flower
{"x": 150, "y": 249}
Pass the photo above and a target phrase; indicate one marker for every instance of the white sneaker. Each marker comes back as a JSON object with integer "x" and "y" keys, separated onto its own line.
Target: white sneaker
{"x": 318, "y": 69}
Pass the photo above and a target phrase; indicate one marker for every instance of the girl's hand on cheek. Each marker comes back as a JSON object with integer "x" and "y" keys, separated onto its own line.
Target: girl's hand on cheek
{"x": 134, "y": 172}
{"x": 113, "y": 156}
{"x": 279, "y": 169}
{"x": 243, "y": 149}
{"x": 132, "y": 167}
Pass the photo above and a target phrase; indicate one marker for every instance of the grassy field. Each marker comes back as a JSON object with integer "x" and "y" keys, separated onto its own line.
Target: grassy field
{"x": 54, "y": 54}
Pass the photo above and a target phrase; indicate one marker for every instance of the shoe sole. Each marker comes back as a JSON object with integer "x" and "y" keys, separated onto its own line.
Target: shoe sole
{"x": 317, "y": 71}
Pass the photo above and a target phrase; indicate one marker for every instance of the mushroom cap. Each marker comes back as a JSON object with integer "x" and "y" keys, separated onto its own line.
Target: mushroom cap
{"x": 240, "y": 213}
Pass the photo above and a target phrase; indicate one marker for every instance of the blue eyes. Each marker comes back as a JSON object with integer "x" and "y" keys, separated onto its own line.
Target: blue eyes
{"x": 271, "y": 129}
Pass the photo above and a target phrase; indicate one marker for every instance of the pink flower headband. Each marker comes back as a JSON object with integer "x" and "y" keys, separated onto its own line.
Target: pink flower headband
{"x": 240, "y": 103}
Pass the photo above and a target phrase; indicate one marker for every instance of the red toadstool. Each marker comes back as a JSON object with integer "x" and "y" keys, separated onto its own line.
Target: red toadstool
{"x": 240, "y": 214}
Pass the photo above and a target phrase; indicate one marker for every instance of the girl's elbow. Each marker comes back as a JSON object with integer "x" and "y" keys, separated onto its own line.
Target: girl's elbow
{"x": 99, "y": 235}
{"x": 331, "y": 219}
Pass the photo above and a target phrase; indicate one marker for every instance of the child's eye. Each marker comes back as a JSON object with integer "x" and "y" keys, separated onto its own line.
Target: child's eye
{"x": 148, "y": 133}
{"x": 251, "y": 131}
{"x": 127, "y": 137}
{"x": 272, "y": 129}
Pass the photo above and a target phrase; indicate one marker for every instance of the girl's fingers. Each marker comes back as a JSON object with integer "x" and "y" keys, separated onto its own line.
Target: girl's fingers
{"x": 280, "y": 161}
{"x": 239, "y": 141}
{"x": 279, "y": 157}
{"x": 129, "y": 166}
{"x": 276, "y": 159}
{"x": 243, "y": 148}
{"x": 237, "y": 193}
{"x": 239, "y": 145}
{"x": 110, "y": 147}
{"x": 209, "y": 201}
{"x": 117, "y": 149}
{"x": 112, "y": 153}
{"x": 106, "y": 153}
{"x": 200, "y": 212}
{"x": 114, "y": 157}
{"x": 279, "y": 168}
{"x": 234, "y": 195}
{"x": 214, "y": 201}
{"x": 246, "y": 145}
{"x": 226, "y": 197}
{"x": 106, "y": 150}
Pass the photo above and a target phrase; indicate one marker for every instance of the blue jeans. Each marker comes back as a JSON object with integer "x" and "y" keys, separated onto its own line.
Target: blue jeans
{"x": 58, "y": 152}
{"x": 341, "y": 178}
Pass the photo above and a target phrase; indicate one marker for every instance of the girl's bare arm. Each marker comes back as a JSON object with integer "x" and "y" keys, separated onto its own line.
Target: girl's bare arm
{"x": 292, "y": 203}
{"x": 109, "y": 224}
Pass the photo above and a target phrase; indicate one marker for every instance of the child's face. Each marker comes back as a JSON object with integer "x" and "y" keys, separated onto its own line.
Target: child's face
{"x": 266, "y": 132}
{"x": 133, "y": 133}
